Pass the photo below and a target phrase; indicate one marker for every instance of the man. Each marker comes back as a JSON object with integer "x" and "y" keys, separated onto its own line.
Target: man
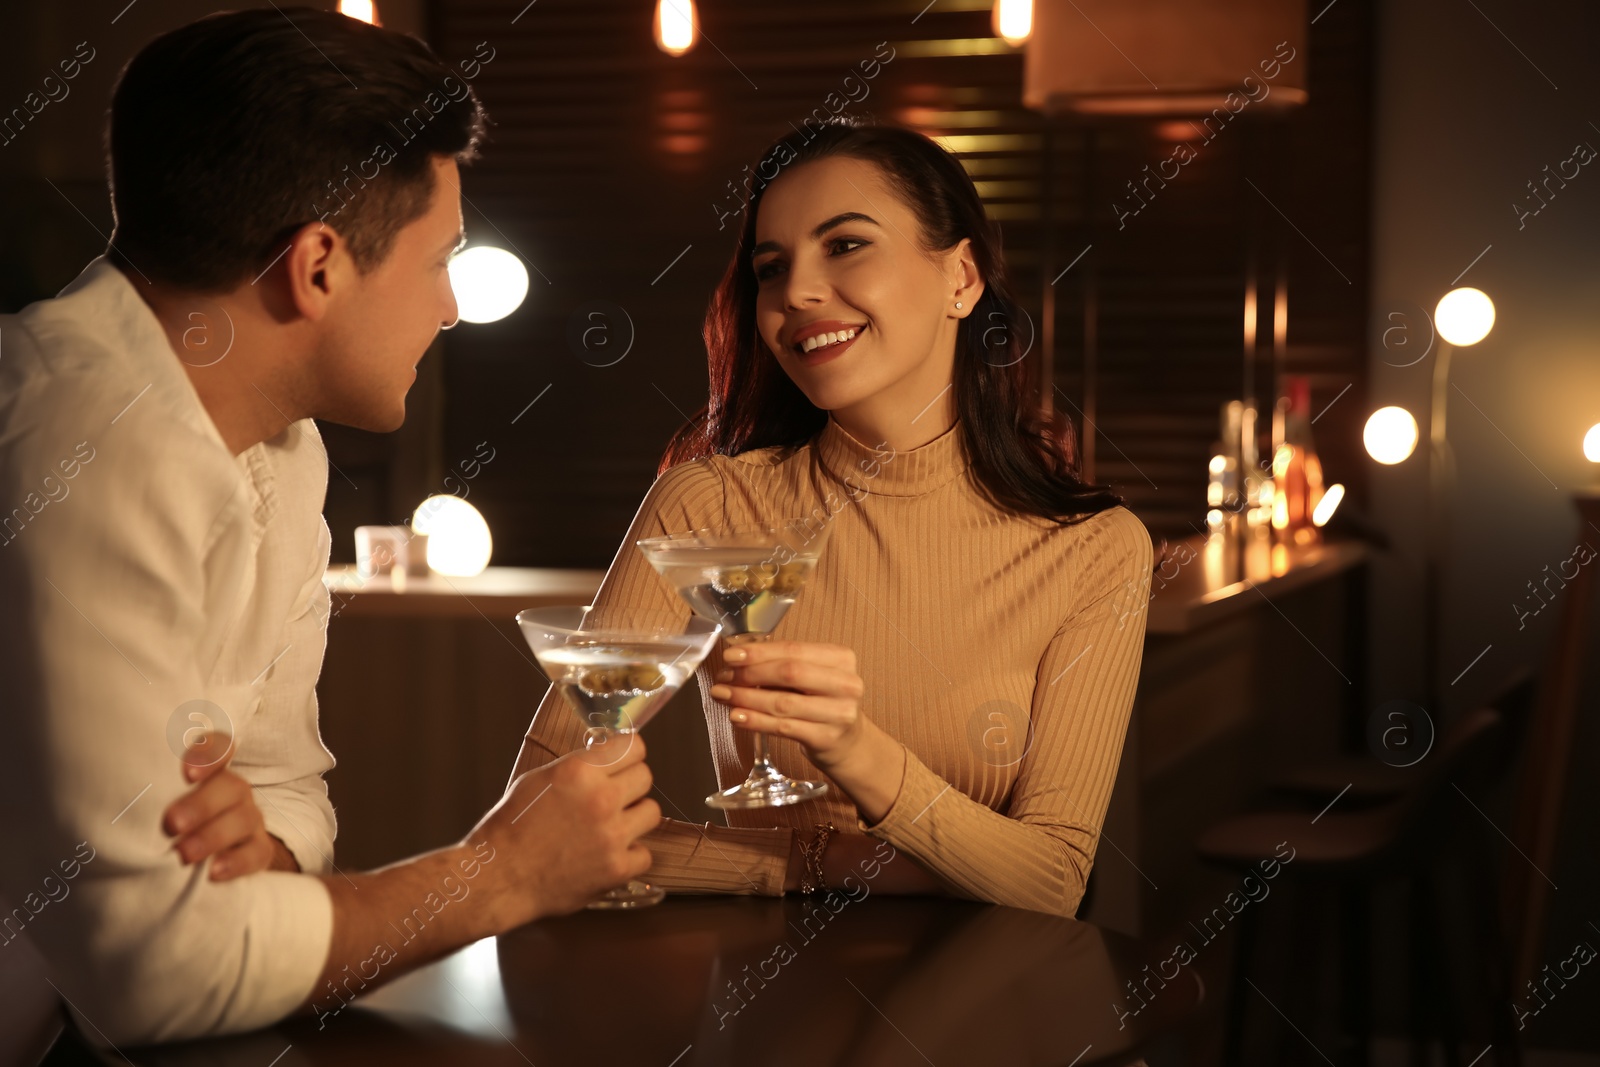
{"x": 286, "y": 193}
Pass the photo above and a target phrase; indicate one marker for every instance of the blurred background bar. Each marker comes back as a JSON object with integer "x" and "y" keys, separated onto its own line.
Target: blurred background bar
{"x": 1233, "y": 226}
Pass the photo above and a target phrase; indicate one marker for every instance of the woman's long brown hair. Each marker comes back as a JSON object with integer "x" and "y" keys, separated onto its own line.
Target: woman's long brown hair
{"x": 1024, "y": 459}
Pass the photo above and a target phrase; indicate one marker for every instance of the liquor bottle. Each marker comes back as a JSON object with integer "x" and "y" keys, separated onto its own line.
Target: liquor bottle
{"x": 1257, "y": 487}
{"x": 1296, "y": 470}
{"x": 1224, "y": 491}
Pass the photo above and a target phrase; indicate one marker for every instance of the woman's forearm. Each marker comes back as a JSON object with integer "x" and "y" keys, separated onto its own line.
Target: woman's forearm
{"x": 863, "y": 860}
{"x": 871, "y": 773}
{"x": 871, "y": 778}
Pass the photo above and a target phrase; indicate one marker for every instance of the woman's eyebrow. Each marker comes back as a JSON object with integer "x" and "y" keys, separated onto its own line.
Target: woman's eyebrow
{"x": 821, "y": 228}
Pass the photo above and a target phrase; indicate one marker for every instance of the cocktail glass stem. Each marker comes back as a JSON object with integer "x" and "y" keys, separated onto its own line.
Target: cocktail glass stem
{"x": 765, "y": 786}
{"x": 636, "y": 893}
{"x": 762, "y": 767}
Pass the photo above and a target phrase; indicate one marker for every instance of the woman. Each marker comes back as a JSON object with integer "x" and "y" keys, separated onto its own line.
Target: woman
{"x": 962, "y": 664}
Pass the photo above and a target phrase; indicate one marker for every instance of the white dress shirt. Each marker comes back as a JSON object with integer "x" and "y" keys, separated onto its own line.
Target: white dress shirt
{"x": 144, "y": 568}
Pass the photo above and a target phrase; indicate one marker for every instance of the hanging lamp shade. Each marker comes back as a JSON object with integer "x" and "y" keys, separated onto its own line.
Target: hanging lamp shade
{"x": 1166, "y": 57}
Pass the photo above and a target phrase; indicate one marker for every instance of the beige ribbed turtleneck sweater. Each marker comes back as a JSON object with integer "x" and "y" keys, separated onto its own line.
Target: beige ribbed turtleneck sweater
{"x": 1001, "y": 650}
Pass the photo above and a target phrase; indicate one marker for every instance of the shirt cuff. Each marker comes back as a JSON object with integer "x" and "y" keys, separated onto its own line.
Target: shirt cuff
{"x": 286, "y": 817}
{"x": 293, "y": 914}
{"x": 692, "y": 858}
{"x": 912, "y": 819}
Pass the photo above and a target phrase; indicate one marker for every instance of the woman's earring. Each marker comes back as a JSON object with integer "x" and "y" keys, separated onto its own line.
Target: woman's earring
{"x": 958, "y": 305}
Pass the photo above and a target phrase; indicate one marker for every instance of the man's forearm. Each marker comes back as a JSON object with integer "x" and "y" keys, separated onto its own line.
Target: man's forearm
{"x": 563, "y": 834}
{"x": 390, "y": 921}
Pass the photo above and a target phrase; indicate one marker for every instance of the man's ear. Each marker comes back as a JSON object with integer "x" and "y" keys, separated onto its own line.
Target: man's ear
{"x": 316, "y": 264}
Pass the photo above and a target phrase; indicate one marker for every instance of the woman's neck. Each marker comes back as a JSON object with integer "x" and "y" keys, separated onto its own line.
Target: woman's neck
{"x": 902, "y": 426}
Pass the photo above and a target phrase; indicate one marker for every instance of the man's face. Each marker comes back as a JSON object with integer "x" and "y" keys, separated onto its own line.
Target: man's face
{"x": 378, "y": 331}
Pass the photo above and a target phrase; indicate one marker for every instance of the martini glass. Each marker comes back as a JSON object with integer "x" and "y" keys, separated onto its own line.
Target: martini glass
{"x": 615, "y": 678}
{"x": 746, "y": 578}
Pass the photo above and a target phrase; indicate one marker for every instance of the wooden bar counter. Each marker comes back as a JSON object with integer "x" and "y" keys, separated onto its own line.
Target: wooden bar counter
{"x": 855, "y": 981}
{"x": 1252, "y": 657}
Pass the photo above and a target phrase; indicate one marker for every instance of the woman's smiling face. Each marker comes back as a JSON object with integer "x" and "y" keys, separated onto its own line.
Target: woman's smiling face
{"x": 856, "y": 309}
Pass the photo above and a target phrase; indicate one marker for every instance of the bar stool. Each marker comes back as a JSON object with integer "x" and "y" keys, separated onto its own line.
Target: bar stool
{"x": 1363, "y": 780}
{"x": 1405, "y": 838}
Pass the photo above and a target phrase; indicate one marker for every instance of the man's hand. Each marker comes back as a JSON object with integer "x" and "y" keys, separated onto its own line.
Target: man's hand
{"x": 570, "y": 830}
{"x": 219, "y": 817}
{"x": 560, "y": 836}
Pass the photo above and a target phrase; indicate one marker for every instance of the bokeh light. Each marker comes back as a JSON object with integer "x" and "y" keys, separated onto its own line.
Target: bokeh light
{"x": 1464, "y": 316}
{"x": 490, "y": 283}
{"x": 362, "y": 10}
{"x": 459, "y": 544}
{"x": 1327, "y": 505}
{"x": 677, "y": 26}
{"x": 1390, "y": 435}
{"x": 1013, "y": 21}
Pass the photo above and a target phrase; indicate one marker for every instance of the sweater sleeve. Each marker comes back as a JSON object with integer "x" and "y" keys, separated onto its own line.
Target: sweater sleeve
{"x": 688, "y": 857}
{"x": 1037, "y": 852}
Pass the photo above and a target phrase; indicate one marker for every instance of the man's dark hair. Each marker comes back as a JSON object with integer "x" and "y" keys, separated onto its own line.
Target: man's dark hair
{"x": 230, "y": 133}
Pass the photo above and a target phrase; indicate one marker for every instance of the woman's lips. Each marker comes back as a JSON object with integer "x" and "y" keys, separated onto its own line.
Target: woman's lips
{"x": 818, "y": 356}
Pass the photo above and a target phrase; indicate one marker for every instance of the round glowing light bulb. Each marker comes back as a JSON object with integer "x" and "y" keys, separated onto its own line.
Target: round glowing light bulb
{"x": 1464, "y": 316}
{"x": 1390, "y": 434}
{"x": 1013, "y": 21}
{"x": 489, "y": 283}
{"x": 459, "y": 544}
{"x": 1591, "y": 444}
{"x": 677, "y": 26}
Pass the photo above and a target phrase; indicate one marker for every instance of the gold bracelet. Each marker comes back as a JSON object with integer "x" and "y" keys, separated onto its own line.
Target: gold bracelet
{"x": 811, "y": 878}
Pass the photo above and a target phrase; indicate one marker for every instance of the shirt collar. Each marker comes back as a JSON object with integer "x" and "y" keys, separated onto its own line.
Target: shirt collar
{"x": 887, "y": 472}
{"x": 112, "y": 309}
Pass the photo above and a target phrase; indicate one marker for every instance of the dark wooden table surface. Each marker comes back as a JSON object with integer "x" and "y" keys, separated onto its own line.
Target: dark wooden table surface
{"x": 711, "y": 981}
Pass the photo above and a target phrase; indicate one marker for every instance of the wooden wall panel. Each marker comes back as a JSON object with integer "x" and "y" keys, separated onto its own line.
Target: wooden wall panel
{"x": 607, "y": 158}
